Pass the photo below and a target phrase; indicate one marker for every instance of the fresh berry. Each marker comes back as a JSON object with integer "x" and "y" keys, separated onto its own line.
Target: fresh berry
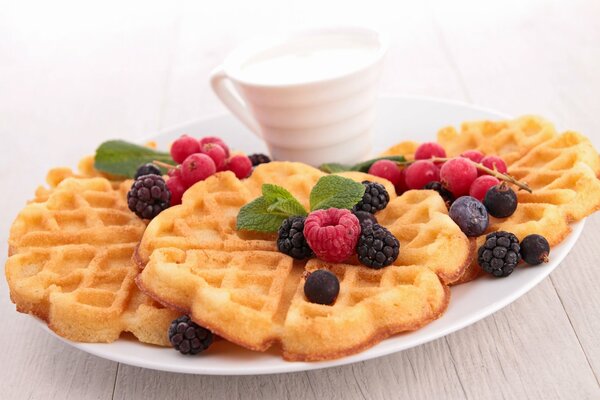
{"x": 428, "y": 150}
{"x": 177, "y": 189}
{"x": 196, "y": 168}
{"x": 386, "y": 169}
{"x": 420, "y": 173}
{"x": 321, "y": 287}
{"x": 535, "y": 249}
{"x": 401, "y": 185}
{"x": 376, "y": 198}
{"x": 499, "y": 255}
{"x": 473, "y": 155}
{"x": 377, "y": 247}
{"x": 493, "y": 162}
{"x": 332, "y": 234}
{"x": 184, "y": 147}
{"x": 470, "y": 215}
{"x": 500, "y": 201}
{"x": 217, "y": 153}
{"x": 365, "y": 217}
{"x": 258, "y": 159}
{"x": 173, "y": 172}
{"x": 445, "y": 193}
{"x": 215, "y": 140}
{"x": 480, "y": 186}
{"x": 290, "y": 239}
{"x": 457, "y": 175}
{"x": 240, "y": 165}
{"x": 147, "y": 169}
{"x": 148, "y": 196}
{"x": 188, "y": 337}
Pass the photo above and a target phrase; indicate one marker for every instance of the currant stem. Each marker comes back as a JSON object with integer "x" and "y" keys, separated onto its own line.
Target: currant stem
{"x": 164, "y": 165}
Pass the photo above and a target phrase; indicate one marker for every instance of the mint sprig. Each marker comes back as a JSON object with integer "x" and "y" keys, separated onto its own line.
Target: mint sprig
{"x": 122, "y": 158}
{"x": 266, "y": 213}
{"x": 332, "y": 168}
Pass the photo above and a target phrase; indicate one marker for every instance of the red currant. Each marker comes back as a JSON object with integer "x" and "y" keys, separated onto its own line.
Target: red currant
{"x": 493, "y": 162}
{"x": 473, "y": 155}
{"x": 183, "y": 147}
{"x": 420, "y": 173}
{"x": 457, "y": 175}
{"x": 217, "y": 153}
{"x": 177, "y": 188}
{"x": 480, "y": 186}
{"x": 401, "y": 185}
{"x": 386, "y": 169}
{"x": 427, "y": 150}
{"x": 215, "y": 140}
{"x": 197, "y": 167}
{"x": 240, "y": 165}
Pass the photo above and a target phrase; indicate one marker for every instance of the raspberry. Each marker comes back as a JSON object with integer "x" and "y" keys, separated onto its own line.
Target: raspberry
{"x": 473, "y": 155}
{"x": 493, "y": 162}
{"x": 321, "y": 287}
{"x": 177, "y": 189}
{"x": 499, "y": 255}
{"x": 184, "y": 147}
{"x": 258, "y": 159}
{"x": 215, "y": 140}
{"x": 375, "y": 198}
{"x": 377, "y": 247}
{"x": 401, "y": 185}
{"x": 291, "y": 240}
{"x": 420, "y": 173}
{"x": 427, "y": 150}
{"x": 240, "y": 165}
{"x": 332, "y": 234}
{"x": 148, "y": 196}
{"x": 147, "y": 169}
{"x": 481, "y": 185}
{"x": 216, "y": 152}
{"x": 197, "y": 167}
{"x": 457, "y": 175}
{"x": 188, "y": 337}
{"x": 386, "y": 169}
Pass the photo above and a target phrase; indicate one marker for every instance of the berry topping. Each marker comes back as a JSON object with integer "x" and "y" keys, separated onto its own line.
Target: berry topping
{"x": 188, "y": 337}
{"x": 499, "y": 255}
{"x": 240, "y": 165}
{"x": 184, "y": 147}
{"x": 420, "y": 173}
{"x": 386, "y": 169}
{"x": 457, "y": 175}
{"x": 321, "y": 287}
{"x": 500, "y": 201}
{"x": 481, "y": 185}
{"x": 470, "y": 215}
{"x": 377, "y": 247}
{"x": 172, "y": 172}
{"x": 197, "y": 167}
{"x": 493, "y": 162}
{"x": 473, "y": 155}
{"x": 259, "y": 158}
{"x": 147, "y": 169}
{"x": 217, "y": 153}
{"x": 177, "y": 189}
{"x": 332, "y": 233}
{"x": 376, "y": 198}
{"x": 428, "y": 150}
{"x": 290, "y": 239}
{"x": 445, "y": 193}
{"x": 148, "y": 196}
{"x": 365, "y": 217}
{"x": 535, "y": 249}
{"x": 215, "y": 140}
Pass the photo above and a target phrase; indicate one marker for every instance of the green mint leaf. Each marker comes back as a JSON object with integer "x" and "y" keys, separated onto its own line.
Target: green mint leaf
{"x": 333, "y": 191}
{"x": 119, "y": 157}
{"x": 280, "y": 201}
{"x": 255, "y": 216}
{"x": 333, "y": 168}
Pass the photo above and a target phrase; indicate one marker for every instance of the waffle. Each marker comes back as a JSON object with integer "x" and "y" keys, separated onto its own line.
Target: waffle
{"x": 237, "y": 284}
{"x": 70, "y": 263}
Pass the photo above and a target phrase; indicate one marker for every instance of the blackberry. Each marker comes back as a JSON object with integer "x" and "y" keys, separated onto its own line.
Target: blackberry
{"x": 500, "y": 253}
{"x": 291, "y": 240}
{"x": 500, "y": 201}
{"x": 375, "y": 198}
{"x": 365, "y": 217}
{"x": 321, "y": 287}
{"x": 188, "y": 337}
{"x": 258, "y": 159}
{"x": 377, "y": 247}
{"x": 148, "y": 196}
{"x": 147, "y": 169}
{"x": 443, "y": 192}
{"x": 535, "y": 249}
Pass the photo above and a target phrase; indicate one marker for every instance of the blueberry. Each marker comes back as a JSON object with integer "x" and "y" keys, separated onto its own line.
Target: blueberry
{"x": 470, "y": 215}
{"x": 321, "y": 287}
{"x": 500, "y": 201}
{"x": 535, "y": 249}
{"x": 147, "y": 169}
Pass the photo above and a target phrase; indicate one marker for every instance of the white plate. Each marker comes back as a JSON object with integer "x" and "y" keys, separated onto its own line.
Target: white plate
{"x": 399, "y": 118}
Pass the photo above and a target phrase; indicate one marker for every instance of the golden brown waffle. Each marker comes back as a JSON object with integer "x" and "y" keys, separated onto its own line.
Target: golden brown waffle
{"x": 237, "y": 284}
{"x": 70, "y": 263}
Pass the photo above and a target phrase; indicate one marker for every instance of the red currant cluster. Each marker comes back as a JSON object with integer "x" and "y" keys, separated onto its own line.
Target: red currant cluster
{"x": 458, "y": 175}
{"x": 199, "y": 159}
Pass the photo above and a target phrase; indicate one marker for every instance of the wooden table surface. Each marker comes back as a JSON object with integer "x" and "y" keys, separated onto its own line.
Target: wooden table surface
{"x": 72, "y": 75}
